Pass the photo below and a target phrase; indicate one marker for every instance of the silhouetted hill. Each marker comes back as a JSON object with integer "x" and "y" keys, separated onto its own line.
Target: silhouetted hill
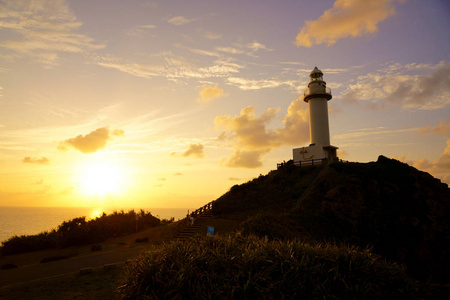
{"x": 398, "y": 210}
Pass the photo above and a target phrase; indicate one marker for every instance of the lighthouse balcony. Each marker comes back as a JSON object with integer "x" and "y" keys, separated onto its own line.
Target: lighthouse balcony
{"x": 325, "y": 93}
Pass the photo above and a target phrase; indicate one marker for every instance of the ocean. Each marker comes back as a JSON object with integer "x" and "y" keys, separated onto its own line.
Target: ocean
{"x": 33, "y": 220}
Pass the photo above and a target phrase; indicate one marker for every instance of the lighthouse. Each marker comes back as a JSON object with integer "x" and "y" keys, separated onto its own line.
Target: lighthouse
{"x": 317, "y": 96}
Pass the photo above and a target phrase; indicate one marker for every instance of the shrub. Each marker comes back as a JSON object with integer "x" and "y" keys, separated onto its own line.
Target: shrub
{"x": 250, "y": 268}
{"x": 78, "y": 231}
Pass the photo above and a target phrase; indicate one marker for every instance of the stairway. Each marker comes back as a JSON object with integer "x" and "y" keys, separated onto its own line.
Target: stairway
{"x": 199, "y": 227}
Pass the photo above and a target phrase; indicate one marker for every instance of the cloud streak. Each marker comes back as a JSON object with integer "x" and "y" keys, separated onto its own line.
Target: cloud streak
{"x": 347, "y": 18}
{"x": 180, "y": 20}
{"x": 46, "y": 28}
{"x": 443, "y": 128}
{"x": 33, "y": 160}
{"x": 91, "y": 142}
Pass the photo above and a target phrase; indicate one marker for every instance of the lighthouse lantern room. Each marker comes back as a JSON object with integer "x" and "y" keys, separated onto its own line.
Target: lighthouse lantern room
{"x": 317, "y": 96}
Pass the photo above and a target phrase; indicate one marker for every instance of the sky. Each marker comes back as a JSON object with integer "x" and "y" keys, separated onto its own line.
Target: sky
{"x": 168, "y": 104}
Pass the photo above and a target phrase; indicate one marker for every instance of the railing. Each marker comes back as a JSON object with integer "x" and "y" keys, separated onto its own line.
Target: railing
{"x": 306, "y": 92}
{"x": 312, "y": 162}
{"x": 196, "y": 213}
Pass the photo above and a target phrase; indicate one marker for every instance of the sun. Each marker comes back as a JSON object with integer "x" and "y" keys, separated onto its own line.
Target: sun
{"x": 101, "y": 180}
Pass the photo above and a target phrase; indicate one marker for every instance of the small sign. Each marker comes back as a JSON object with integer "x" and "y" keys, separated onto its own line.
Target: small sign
{"x": 210, "y": 230}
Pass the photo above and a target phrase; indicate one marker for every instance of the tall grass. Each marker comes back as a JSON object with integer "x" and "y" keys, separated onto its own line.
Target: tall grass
{"x": 251, "y": 268}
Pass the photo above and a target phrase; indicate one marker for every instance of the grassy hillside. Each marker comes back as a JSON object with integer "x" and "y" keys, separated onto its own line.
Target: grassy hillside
{"x": 399, "y": 211}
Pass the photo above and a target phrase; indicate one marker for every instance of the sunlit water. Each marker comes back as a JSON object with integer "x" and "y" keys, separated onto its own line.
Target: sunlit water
{"x": 33, "y": 220}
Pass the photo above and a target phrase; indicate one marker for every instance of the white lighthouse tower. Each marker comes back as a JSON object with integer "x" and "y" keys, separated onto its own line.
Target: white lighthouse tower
{"x": 317, "y": 96}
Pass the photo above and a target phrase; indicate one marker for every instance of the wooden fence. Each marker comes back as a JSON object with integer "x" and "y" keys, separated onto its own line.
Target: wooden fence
{"x": 312, "y": 162}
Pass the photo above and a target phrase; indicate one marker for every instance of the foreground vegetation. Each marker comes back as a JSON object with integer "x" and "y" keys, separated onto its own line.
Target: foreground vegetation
{"x": 252, "y": 268}
{"x": 80, "y": 231}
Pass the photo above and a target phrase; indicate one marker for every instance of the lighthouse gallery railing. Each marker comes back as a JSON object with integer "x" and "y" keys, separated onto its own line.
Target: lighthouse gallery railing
{"x": 307, "y": 93}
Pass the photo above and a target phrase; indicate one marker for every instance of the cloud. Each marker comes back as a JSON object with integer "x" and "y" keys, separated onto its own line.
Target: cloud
{"x": 195, "y": 150}
{"x": 416, "y": 87}
{"x": 244, "y": 159}
{"x": 251, "y": 84}
{"x": 342, "y": 154}
{"x": 140, "y": 30}
{"x": 255, "y": 46}
{"x": 252, "y": 138}
{"x": 172, "y": 67}
{"x": 366, "y": 132}
{"x": 230, "y": 50}
{"x": 243, "y": 49}
{"x": 439, "y": 168}
{"x": 209, "y": 93}
{"x": 180, "y": 20}
{"x": 33, "y": 160}
{"x": 346, "y": 18}
{"x": 91, "y": 142}
{"x": 212, "y": 36}
{"x": 443, "y": 128}
{"x": 132, "y": 68}
{"x": 45, "y": 28}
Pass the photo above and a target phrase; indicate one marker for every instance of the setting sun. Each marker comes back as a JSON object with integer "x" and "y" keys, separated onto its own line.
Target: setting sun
{"x": 101, "y": 180}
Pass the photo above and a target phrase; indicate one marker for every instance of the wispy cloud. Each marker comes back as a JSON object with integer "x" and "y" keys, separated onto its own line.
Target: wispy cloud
{"x": 443, "y": 128}
{"x": 170, "y": 67}
{"x": 257, "y": 84}
{"x": 132, "y": 68}
{"x": 356, "y": 134}
{"x": 246, "y": 49}
{"x": 140, "y": 30}
{"x": 46, "y": 28}
{"x": 212, "y": 36}
{"x": 34, "y": 160}
{"x": 180, "y": 20}
{"x": 345, "y": 19}
{"x": 255, "y": 46}
{"x": 423, "y": 87}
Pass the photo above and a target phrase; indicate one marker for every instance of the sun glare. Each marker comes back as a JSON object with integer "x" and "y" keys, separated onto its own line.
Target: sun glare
{"x": 101, "y": 180}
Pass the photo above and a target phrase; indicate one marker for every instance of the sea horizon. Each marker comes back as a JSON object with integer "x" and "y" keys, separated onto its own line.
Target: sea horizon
{"x": 31, "y": 220}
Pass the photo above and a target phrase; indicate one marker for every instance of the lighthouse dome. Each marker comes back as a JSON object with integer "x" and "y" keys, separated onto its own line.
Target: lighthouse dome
{"x": 316, "y": 74}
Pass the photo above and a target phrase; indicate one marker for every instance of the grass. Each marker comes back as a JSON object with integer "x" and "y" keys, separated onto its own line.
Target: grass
{"x": 100, "y": 284}
{"x": 251, "y": 268}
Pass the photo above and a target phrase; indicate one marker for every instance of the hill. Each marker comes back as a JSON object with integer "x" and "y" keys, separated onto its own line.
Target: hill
{"x": 397, "y": 210}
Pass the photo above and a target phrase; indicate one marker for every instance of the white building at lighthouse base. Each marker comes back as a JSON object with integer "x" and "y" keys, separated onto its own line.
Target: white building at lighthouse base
{"x": 315, "y": 154}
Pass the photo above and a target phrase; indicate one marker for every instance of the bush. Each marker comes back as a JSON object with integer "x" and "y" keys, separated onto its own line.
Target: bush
{"x": 250, "y": 268}
{"x": 78, "y": 231}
